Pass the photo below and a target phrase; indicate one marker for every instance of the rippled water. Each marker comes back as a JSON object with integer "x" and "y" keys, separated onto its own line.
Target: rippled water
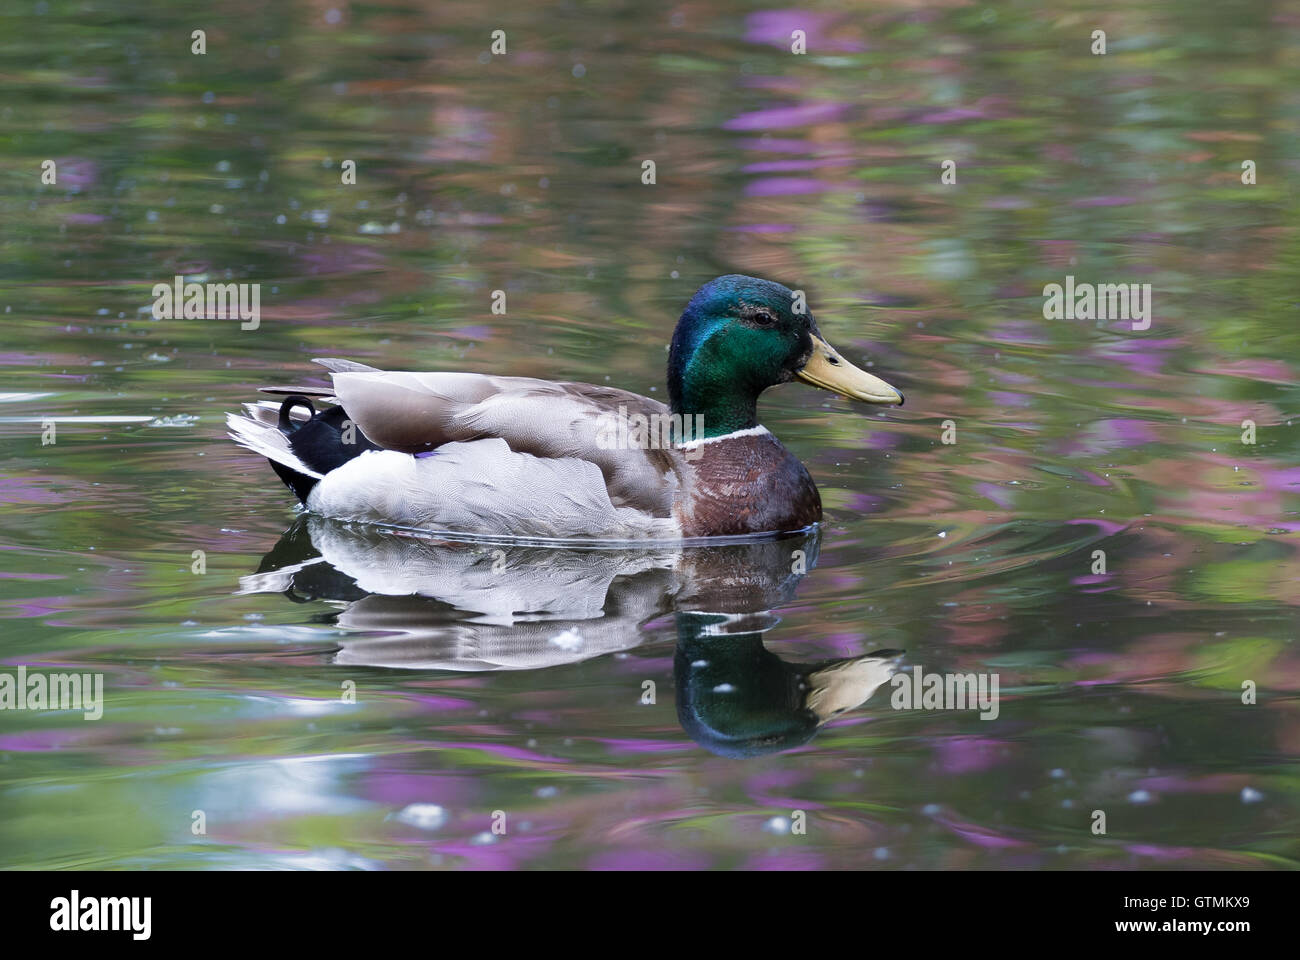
{"x": 511, "y": 679}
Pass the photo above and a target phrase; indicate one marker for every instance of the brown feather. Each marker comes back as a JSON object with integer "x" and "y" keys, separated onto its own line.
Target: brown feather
{"x": 747, "y": 484}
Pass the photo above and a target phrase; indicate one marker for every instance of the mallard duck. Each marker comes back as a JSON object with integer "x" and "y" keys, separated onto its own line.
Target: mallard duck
{"x": 485, "y": 455}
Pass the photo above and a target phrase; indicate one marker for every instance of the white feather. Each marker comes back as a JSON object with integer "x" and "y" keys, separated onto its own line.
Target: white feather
{"x": 266, "y": 439}
{"x": 482, "y": 487}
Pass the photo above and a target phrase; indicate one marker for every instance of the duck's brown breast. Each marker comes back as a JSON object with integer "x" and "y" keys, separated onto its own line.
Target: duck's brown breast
{"x": 744, "y": 483}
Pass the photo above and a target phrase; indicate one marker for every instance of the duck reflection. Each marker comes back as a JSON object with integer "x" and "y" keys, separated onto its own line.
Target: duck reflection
{"x": 420, "y": 602}
{"x": 736, "y": 698}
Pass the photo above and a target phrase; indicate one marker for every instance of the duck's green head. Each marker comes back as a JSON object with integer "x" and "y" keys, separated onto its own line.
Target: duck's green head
{"x": 740, "y": 335}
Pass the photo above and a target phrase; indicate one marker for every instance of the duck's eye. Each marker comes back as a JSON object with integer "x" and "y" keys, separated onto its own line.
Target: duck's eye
{"x": 763, "y": 317}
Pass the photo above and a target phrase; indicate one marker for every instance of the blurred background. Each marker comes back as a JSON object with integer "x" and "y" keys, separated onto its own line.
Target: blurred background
{"x": 523, "y": 172}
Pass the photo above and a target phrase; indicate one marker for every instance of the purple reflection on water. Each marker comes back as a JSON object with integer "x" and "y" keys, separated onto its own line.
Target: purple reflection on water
{"x": 1130, "y": 432}
{"x": 507, "y": 853}
{"x": 77, "y": 173}
{"x": 1018, "y": 331}
{"x": 1091, "y": 578}
{"x": 1228, "y": 784}
{"x": 470, "y": 332}
{"x": 506, "y": 752}
{"x": 790, "y": 166}
{"x": 1109, "y": 527}
{"x": 864, "y": 502}
{"x": 953, "y": 115}
{"x": 980, "y": 836}
{"x": 1280, "y": 479}
{"x": 436, "y": 702}
{"x": 401, "y": 789}
{"x": 999, "y": 495}
{"x": 44, "y": 741}
{"x": 779, "y": 117}
{"x": 1164, "y": 853}
{"x": 1146, "y": 356}
{"x": 880, "y": 439}
{"x": 968, "y": 754}
{"x": 790, "y": 145}
{"x": 845, "y": 644}
{"x": 786, "y": 186}
{"x": 1250, "y": 368}
{"x": 644, "y": 746}
{"x": 1112, "y": 201}
{"x": 42, "y": 607}
{"x": 18, "y": 490}
{"x": 775, "y": 27}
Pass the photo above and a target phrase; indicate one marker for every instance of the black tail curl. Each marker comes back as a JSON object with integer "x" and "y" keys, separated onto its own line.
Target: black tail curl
{"x": 324, "y": 442}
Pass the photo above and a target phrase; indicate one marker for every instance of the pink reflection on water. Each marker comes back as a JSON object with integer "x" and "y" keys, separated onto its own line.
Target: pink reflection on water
{"x": 1104, "y": 201}
{"x": 980, "y": 836}
{"x": 505, "y": 853}
{"x": 1161, "y": 852}
{"x": 398, "y": 789}
{"x": 786, "y": 186}
{"x": 793, "y": 166}
{"x": 643, "y": 746}
{"x": 20, "y": 490}
{"x": 956, "y": 755}
{"x": 1228, "y": 784}
{"x": 1250, "y": 368}
{"x": 1000, "y": 495}
{"x": 791, "y": 145}
{"x": 77, "y": 173}
{"x": 775, "y": 27}
{"x": 1108, "y": 527}
{"x": 953, "y": 115}
{"x": 780, "y": 117}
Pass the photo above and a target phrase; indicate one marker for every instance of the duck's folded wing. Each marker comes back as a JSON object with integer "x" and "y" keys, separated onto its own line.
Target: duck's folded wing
{"x": 419, "y": 412}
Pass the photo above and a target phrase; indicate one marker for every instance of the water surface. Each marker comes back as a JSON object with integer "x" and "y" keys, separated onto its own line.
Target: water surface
{"x": 521, "y": 689}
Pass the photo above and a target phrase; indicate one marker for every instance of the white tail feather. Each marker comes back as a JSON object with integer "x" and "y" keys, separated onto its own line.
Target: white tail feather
{"x": 335, "y": 365}
{"x": 267, "y": 440}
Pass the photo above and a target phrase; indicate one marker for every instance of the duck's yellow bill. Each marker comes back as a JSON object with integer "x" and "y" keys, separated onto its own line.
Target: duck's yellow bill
{"x": 828, "y": 370}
